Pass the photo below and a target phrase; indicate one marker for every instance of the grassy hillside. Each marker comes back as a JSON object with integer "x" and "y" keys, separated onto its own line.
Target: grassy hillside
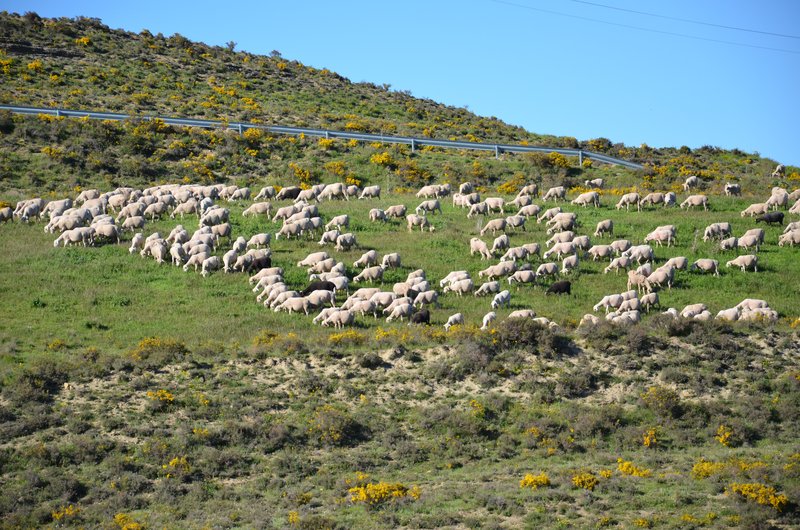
{"x": 134, "y": 395}
{"x": 80, "y": 63}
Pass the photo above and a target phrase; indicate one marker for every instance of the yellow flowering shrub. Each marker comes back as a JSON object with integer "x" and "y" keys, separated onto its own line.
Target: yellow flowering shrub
{"x": 178, "y": 466}
{"x": 643, "y": 522}
{"x": 326, "y": 143}
{"x": 383, "y": 159}
{"x": 374, "y": 494}
{"x": 585, "y": 480}
{"x": 627, "y": 467}
{"x": 350, "y": 337}
{"x": 126, "y": 522}
{"x": 705, "y": 468}
{"x": 83, "y": 41}
{"x": 760, "y": 493}
{"x": 724, "y": 435}
{"x": 293, "y": 518}
{"x": 558, "y": 160}
{"x": 649, "y": 438}
{"x": 534, "y": 481}
{"x": 512, "y": 185}
{"x": 337, "y": 167}
{"x": 164, "y": 396}
{"x": 35, "y": 66}
{"x": 65, "y": 512}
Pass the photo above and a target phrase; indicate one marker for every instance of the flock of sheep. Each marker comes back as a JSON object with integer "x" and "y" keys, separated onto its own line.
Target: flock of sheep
{"x": 95, "y": 217}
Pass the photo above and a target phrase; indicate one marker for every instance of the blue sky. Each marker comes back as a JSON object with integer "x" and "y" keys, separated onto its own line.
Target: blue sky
{"x": 563, "y": 67}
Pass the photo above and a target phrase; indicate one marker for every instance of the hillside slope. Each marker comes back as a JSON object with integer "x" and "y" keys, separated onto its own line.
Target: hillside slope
{"x": 82, "y": 64}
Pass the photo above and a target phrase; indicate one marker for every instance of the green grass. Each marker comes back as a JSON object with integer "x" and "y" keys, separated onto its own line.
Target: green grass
{"x": 86, "y": 296}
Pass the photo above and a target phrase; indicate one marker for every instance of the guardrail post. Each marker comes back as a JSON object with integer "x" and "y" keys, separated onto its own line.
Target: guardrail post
{"x": 240, "y": 129}
{"x": 580, "y": 158}
{"x": 413, "y": 145}
{"x": 327, "y": 135}
{"x": 497, "y": 152}
{"x": 58, "y": 113}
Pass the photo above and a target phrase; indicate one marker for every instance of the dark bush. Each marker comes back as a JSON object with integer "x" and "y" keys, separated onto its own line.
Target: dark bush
{"x": 38, "y": 382}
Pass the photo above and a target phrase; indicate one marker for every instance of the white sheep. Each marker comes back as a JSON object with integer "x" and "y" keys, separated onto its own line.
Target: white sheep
{"x": 454, "y": 320}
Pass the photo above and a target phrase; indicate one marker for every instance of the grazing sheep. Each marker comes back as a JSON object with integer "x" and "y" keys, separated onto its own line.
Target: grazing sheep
{"x": 779, "y": 198}
{"x": 370, "y": 192}
{"x": 771, "y": 218}
{"x": 367, "y": 259}
{"x": 465, "y": 188}
{"x": 555, "y": 193}
{"x": 136, "y": 243}
{"x": 494, "y": 226}
{"x": 477, "y": 209}
{"x": 504, "y": 268}
{"x": 108, "y": 232}
{"x": 516, "y": 221}
{"x": 495, "y": 203}
{"x": 561, "y": 249}
{"x": 750, "y": 304}
{"x": 620, "y": 246}
{"x": 294, "y": 305}
{"x": 595, "y": 183}
{"x": 400, "y": 312}
{"x": 560, "y": 237}
{"x": 431, "y": 206}
{"x": 695, "y": 200}
{"x": 604, "y": 227}
{"x": 601, "y": 251}
{"x": 488, "y": 318}
{"x": 422, "y": 222}
{"x": 621, "y": 262}
{"x": 530, "y": 210}
{"x": 426, "y": 298}
{"x": 608, "y": 302}
{"x": 732, "y": 188}
{"x": 370, "y": 274}
{"x": 429, "y": 191}
{"x": 522, "y": 277}
{"x": 500, "y": 243}
{"x": 748, "y": 241}
{"x": 790, "y": 238}
{"x": 728, "y": 244}
{"x": 678, "y": 262}
{"x": 547, "y": 269}
{"x": 391, "y": 261}
{"x": 376, "y": 214}
{"x": 454, "y": 320}
{"x": 514, "y": 254}
{"x": 569, "y": 264}
{"x": 628, "y": 199}
{"x": 340, "y": 221}
{"x": 209, "y": 265}
{"x": 259, "y": 208}
{"x": 652, "y": 199}
{"x": 532, "y": 248}
{"x": 731, "y": 315}
{"x": 133, "y": 223}
{"x": 479, "y": 246}
{"x": 453, "y": 276}
{"x": 759, "y": 315}
{"x": 459, "y": 287}
{"x": 221, "y": 230}
{"x": 312, "y": 259}
{"x": 755, "y": 209}
{"x": 521, "y": 201}
{"x": 259, "y": 240}
{"x": 488, "y": 288}
{"x": 549, "y": 214}
{"x": 589, "y": 320}
{"x": 747, "y": 261}
{"x": 717, "y": 231}
{"x": 560, "y": 287}
{"x": 795, "y": 209}
{"x": 691, "y": 183}
{"x": 522, "y": 313}
{"x": 345, "y": 242}
{"x": 660, "y": 277}
{"x": 706, "y": 265}
{"x": 398, "y": 211}
{"x": 649, "y": 301}
{"x": 640, "y": 253}
{"x": 320, "y": 297}
{"x": 503, "y": 298}
{"x": 585, "y": 199}
{"x": 421, "y": 317}
{"x": 659, "y": 237}
{"x": 691, "y": 310}
{"x": 670, "y": 199}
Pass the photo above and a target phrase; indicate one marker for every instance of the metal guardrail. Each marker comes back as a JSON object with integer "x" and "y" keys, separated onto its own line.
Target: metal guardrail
{"x": 323, "y": 133}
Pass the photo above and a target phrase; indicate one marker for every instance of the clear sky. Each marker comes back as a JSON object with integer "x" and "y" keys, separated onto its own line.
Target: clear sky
{"x": 564, "y": 67}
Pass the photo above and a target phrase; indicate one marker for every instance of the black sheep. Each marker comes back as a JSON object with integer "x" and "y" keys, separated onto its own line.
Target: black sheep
{"x": 318, "y": 286}
{"x": 421, "y": 317}
{"x": 560, "y": 287}
{"x": 770, "y": 218}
